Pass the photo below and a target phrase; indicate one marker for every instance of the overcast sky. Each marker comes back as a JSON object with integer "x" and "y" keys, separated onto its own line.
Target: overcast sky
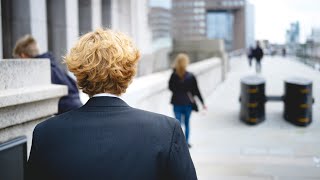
{"x": 273, "y": 17}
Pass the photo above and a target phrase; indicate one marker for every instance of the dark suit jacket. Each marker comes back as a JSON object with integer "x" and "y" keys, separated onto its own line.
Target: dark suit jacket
{"x": 107, "y": 139}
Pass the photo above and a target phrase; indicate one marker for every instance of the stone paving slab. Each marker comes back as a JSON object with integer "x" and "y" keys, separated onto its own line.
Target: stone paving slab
{"x": 225, "y": 148}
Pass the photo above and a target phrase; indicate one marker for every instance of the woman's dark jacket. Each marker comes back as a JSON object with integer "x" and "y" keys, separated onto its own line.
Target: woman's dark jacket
{"x": 181, "y": 87}
{"x": 59, "y": 76}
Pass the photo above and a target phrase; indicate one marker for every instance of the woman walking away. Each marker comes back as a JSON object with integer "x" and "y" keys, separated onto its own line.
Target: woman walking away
{"x": 184, "y": 87}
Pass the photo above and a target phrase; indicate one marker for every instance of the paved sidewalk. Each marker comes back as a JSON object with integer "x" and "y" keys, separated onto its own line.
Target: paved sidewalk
{"x": 226, "y": 149}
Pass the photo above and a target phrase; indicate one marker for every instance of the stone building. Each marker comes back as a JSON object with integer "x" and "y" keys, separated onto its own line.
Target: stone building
{"x": 56, "y": 24}
{"x": 229, "y": 20}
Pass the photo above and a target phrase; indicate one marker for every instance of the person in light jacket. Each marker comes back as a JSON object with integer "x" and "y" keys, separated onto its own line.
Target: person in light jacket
{"x": 184, "y": 87}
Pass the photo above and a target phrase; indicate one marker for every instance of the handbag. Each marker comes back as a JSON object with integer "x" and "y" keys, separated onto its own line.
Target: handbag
{"x": 193, "y": 101}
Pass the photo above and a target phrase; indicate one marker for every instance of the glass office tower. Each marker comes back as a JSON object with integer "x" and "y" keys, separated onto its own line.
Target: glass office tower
{"x": 220, "y": 26}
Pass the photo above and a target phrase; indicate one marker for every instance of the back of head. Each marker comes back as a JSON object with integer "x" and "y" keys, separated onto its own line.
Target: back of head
{"x": 103, "y": 61}
{"x": 180, "y": 64}
{"x": 258, "y": 44}
{"x": 26, "y": 46}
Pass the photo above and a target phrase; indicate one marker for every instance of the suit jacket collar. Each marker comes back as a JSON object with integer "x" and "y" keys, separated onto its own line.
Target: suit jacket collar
{"x": 106, "y": 101}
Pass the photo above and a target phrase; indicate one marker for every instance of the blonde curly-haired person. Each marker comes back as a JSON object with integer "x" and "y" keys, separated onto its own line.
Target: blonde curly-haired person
{"x": 106, "y": 138}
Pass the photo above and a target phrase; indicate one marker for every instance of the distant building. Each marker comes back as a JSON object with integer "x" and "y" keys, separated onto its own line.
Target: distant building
{"x": 159, "y": 18}
{"x": 293, "y": 34}
{"x": 312, "y": 46}
{"x": 230, "y": 20}
{"x": 315, "y": 36}
{"x": 160, "y": 22}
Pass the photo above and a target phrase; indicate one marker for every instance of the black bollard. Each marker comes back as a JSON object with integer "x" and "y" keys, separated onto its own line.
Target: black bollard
{"x": 298, "y": 101}
{"x": 252, "y": 100}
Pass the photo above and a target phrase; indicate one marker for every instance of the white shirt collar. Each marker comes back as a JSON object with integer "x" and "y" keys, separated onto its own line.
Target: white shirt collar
{"x": 106, "y": 94}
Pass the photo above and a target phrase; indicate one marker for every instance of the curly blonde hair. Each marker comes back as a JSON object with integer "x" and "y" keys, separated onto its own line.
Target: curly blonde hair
{"x": 180, "y": 64}
{"x": 103, "y": 61}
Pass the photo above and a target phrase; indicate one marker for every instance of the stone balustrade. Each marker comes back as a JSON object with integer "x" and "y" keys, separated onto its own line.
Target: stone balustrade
{"x": 27, "y": 96}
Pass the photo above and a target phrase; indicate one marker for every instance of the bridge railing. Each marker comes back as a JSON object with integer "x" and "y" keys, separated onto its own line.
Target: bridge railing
{"x": 235, "y": 53}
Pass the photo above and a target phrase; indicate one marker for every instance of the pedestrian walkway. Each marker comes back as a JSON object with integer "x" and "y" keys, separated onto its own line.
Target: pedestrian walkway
{"x": 226, "y": 149}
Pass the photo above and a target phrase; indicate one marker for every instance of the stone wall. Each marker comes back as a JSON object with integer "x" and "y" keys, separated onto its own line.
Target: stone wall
{"x": 155, "y": 62}
{"x": 198, "y": 49}
{"x": 27, "y": 96}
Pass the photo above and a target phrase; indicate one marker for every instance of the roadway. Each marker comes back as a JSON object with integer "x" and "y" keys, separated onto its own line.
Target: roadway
{"x": 226, "y": 149}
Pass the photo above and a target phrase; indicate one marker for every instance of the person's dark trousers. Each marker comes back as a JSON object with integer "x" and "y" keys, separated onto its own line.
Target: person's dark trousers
{"x": 183, "y": 111}
{"x": 258, "y": 66}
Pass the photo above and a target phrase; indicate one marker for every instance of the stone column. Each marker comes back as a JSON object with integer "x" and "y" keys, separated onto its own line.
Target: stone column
{"x": 89, "y": 15}
{"x": 85, "y": 21}
{"x": 72, "y": 22}
{"x": 62, "y": 25}
{"x": 96, "y": 14}
{"x": 121, "y": 16}
{"x": 21, "y": 17}
{"x": 38, "y": 18}
{"x": 114, "y": 14}
{"x": 16, "y": 23}
{"x": 1, "y": 56}
{"x": 106, "y": 13}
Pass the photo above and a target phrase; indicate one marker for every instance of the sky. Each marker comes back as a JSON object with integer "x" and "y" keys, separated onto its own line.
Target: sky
{"x": 273, "y": 17}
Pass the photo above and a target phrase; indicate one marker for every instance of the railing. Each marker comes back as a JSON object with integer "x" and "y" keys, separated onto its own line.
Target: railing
{"x": 235, "y": 53}
{"x": 312, "y": 62}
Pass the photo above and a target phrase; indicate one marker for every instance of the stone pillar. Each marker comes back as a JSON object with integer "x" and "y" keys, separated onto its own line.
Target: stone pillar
{"x": 106, "y": 13}
{"x": 131, "y": 17}
{"x": 96, "y": 15}
{"x": 1, "y": 56}
{"x": 27, "y": 96}
{"x": 21, "y": 17}
{"x": 89, "y": 15}
{"x": 121, "y": 16}
{"x": 38, "y": 18}
{"x": 72, "y": 22}
{"x": 16, "y": 23}
{"x": 85, "y": 21}
{"x": 239, "y": 35}
{"x": 114, "y": 14}
{"x": 62, "y": 25}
